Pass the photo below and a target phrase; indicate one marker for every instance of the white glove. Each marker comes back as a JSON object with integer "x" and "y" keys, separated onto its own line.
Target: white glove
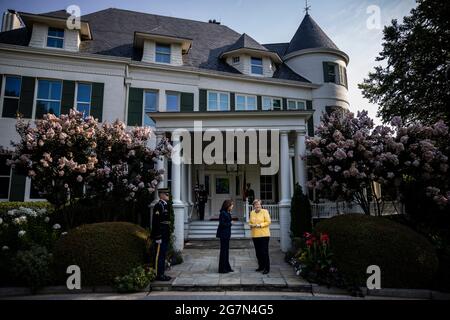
{"x": 158, "y": 241}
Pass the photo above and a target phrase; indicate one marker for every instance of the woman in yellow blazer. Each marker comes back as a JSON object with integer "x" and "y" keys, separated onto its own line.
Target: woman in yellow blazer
{"x": 259, "y": 224}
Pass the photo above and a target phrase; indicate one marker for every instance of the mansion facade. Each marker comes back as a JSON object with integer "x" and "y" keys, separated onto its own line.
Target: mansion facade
{"x": 168, "y": 73}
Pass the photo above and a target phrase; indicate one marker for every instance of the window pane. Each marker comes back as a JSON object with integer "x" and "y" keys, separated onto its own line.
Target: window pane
{"x": 85, "y": 108}
{"x": 240, "y": 103}
{"x": 292, "y": 105}
{"x": 12, "y": 86}
{"x": 301, "y": 105}
{"x": 267, "y": 104}
{"x": 34, "y": 193}
{"x": 163, "y": 48}
{"x": 55, "y": 108}
{"x": 223, "y": 101}
{"x": 55, "y": 90}
{"x": 257, "y": 61}
{"x": 43, "y": 89}
{"x": 251, "y": 103}
{"x": 150, "y": 103}
{"x": 277, "y": 104}
{"x": 41, "y": 108}
{"x": 56, "y": 32}
{"x": 257, "y": 70}
{"x": 163, "y": 58}
{"x": 55, "y": 42}
{"x": 4, "y": 187}
{"x": 84, "y": 92}
{"x": 10, "y": 107}
{"x": 172, "y": 102}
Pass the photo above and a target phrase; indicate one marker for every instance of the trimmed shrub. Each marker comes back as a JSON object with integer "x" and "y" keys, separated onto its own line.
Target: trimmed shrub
{"x": 103, "y": 251}
{"x": 35, "y": 205}
{"x": 301, "y": 221}
{"x": 406, "y": 258}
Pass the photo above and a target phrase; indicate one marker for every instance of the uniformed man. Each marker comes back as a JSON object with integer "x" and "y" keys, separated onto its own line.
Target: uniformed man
{"x": 202, "y": 200}
{"x": 160, "y": 233}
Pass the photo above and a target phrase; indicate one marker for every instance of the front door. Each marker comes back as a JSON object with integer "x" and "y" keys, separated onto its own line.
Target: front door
{"x": 221, "y": 191}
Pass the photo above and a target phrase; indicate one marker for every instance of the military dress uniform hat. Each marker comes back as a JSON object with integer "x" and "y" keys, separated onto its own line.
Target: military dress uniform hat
{"x": 163, "y": 190}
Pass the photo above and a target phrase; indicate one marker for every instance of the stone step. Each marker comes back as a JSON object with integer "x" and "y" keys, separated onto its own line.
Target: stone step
{"x": 211, "y": 236}
{"x": 212, "y": 223}
{"x": 173, "y": 286}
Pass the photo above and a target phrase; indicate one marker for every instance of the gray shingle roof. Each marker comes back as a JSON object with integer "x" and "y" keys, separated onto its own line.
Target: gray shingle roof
{"x": 310, "y": 35}
{"x": 279, "y": 48}
{"x": 113, "y": 34}
{"x": 246, "y": 42}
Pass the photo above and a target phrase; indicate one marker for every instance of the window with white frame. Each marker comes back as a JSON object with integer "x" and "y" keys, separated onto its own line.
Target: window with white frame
{"x": 5, "y": 176}
{"x": 270, "y": 103}
{"x": 236, "y": 59}
{"x": 296, "y": 104}
{"x": 218, "y": 101}
{"x": 172, "y": 101}
{"x": 48, "y": 98}
{"x": 150, "y": 105}
{"x": 11, "y": 96}
{"x": 266, "y": 187}
{"x": 55, "y": 37}
{"x": 245, "y": 102}
{"x": 84, "y": 91}
{"x": 257, "y": 65}
{"x": 162, "y": 53}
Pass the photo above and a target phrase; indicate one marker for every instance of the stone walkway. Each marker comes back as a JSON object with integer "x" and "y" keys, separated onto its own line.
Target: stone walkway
{"x": 199, "y": 271}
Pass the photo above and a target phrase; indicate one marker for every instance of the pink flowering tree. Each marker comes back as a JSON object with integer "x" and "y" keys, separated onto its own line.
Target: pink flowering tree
{"x": 349, "y": 156}
{"x": 341, "y": 158}
{"x": 71, "y": 158}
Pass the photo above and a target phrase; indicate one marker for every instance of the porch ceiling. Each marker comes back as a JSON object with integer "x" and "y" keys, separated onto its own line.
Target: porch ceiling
{"x": 282, "y": 120}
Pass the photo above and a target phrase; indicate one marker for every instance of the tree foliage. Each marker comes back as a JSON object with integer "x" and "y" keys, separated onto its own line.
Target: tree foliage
{"x": 412, "y": 81}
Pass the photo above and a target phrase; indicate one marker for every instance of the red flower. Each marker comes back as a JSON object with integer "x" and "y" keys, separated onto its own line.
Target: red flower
{"x": 307, "y": 235}
{"x": 309, "y": 242}
{"x": 324, "y": 238}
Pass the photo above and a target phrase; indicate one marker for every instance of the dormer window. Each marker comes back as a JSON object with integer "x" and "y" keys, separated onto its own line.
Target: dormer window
{"x": 162, "y": 54}
{"x": 257, "y": 66}
{"x": 236, "y": 59}
{"x": 55, "y": 38}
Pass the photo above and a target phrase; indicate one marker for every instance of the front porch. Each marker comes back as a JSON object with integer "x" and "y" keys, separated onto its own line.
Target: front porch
{"x": 224, "y": 179}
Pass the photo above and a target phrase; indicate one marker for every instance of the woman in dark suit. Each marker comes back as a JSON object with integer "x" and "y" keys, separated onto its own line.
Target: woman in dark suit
{"x": 224, "y": 233}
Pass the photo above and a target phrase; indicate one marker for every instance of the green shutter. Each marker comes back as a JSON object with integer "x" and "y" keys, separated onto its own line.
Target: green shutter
{"x": 17, "y": 191}
{"x": 259, "y": 103}
{"x": 284, "y": 106}
{"x": 309, "y": 105}
{"x": 187, "y": 102}
{"x": 68, "y": 96}
{"x": 97, "y": 100}
{"x": 27, "y": 97}
{"x": 135, "y": 106}
{"x": 202, "y": 100}
{"x": 311, "y": 120}
{"x": 325, "y": 71}
{"x": 232, "y": 101}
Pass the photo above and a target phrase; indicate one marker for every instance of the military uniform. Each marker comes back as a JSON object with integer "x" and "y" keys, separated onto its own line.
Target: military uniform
{"x": 202, "y": 199}
{"x": 161, "y": 231}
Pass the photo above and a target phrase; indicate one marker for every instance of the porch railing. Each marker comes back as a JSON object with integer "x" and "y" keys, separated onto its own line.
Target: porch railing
{"x": 273, "y": 209}
{"x": 331, "y": 209}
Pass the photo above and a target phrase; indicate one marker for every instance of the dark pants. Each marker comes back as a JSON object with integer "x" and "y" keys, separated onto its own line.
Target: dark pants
{"x": 201, "y": 210}
{"x": 160, "y": 257}
{"x": 224, "y": 259}
{"x": 262, "y": 252}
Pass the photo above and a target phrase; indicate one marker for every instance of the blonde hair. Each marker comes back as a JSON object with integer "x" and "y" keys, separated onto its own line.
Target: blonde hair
{"x": 256, "y": 201}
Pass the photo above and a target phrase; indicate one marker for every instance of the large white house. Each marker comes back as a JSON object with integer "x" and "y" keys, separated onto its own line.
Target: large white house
{"x": 168, "y": 73}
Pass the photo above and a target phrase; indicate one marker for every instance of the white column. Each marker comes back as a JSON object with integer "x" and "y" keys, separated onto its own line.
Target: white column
{"x": 300, "y": 163}
{"x": 178, "y": 207}
{"x": 285, "y": 201}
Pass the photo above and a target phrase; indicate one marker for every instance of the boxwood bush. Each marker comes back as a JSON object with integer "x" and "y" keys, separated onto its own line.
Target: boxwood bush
{"x": 406, "y": 258}
{"x": 103, "y": 251}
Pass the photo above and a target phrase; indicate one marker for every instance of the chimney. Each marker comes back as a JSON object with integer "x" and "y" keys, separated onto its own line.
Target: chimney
{"x": 213, "y": 21}
{"x": 10, "y": 20}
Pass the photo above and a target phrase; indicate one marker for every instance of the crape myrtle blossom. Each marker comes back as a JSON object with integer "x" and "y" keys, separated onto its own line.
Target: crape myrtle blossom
{"x": 348, "y": 155}
{"x": 73, "y": 157}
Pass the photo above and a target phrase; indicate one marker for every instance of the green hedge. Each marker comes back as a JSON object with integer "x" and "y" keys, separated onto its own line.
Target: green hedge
{"x": 406, "y": 258}
{"x": 103, "y": 251}
{"x": 6, "y": 206}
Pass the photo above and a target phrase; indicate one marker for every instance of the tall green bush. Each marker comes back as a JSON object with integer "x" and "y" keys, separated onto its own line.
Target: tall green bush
{"x": 301, "y": 220}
